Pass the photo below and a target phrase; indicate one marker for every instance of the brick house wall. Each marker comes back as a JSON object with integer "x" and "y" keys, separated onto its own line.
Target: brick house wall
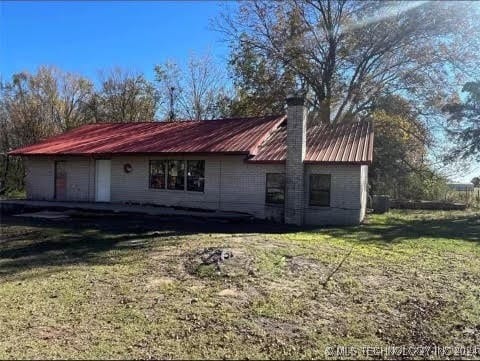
{"x": 230, "y": 185}
{"x": 347, "y": 195}
{"x": 40, "y": 178}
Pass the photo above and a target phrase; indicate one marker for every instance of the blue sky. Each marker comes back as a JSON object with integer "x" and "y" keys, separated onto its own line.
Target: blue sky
{"x": 84, "y": 37}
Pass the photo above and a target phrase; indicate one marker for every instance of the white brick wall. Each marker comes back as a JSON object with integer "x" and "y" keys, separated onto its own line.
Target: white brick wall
{"x": 40, "y": 178}
{"x": 80, "y": 171}
{"x": 231, "y": 184}
{"x": 345, "y": 196}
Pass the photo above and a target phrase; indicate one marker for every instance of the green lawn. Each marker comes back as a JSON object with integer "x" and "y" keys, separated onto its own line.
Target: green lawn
{"x": 130, "y": 287}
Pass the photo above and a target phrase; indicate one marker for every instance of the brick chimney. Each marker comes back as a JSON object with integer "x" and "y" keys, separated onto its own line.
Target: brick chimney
{"x": 294, "y": 168}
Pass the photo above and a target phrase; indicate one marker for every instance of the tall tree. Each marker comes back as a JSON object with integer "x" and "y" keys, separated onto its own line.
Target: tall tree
{"x": 44, "y": 103}
{"x": 75, "y": 93}
{"x": 399, "y": 161}
{"x": 464, "y": 123}
{"x": 124, "y": 97}
{"x": 35, "y": 106}
{"x": 348, "y": 53}
{"x": 199, "y": 89}
{"x": 261, "y": 83}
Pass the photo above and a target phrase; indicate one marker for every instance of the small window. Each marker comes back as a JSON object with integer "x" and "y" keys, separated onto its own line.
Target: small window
{"x": 320, "y": 190}
{"x": 157, "y": 174}
{"x": 196, "y": 175}
{"x": 176, "y": 174}
{"x": 275, "y": 192}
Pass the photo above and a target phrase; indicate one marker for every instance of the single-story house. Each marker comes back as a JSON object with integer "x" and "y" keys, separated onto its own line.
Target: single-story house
{"x": 271, "y": 167}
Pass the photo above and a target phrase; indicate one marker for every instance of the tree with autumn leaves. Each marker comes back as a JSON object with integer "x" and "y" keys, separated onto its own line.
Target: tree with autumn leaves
{"x": 395, "y": 63}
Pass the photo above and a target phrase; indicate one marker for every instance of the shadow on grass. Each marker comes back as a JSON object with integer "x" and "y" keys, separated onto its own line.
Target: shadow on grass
{"x": 399, "y": 228}
{"x": 29, "y": 243}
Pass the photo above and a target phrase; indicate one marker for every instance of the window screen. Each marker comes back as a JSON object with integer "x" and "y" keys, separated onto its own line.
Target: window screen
{"x": 157, "y": 174}
{"x": 275, "y": 192}
{"x": 320, "y": 190}
{"x": 196, "y": 175}
{"x": 176, "y": 174}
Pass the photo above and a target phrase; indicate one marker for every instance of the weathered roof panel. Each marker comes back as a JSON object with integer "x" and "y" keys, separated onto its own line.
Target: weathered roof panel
{"x": 343, "y": 143}
{"x": 263, "y": 139}
{"x": 239, "y": 135}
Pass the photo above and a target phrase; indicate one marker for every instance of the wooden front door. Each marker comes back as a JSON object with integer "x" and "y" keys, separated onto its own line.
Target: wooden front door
{"x": 61, "y": 180}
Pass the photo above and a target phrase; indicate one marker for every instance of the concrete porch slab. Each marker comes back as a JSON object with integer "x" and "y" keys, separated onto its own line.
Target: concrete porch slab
{"x": 22, "y": 205}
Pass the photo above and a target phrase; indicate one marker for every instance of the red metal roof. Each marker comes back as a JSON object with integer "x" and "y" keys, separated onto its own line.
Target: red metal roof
{"x": 239, "y": 135}
{"x": 344, "y": 143}
{"x": 263, "y": 139}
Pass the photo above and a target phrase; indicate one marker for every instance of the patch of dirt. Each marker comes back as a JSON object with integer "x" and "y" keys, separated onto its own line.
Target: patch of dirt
{"x": 273, "y": 326}
{"x": 282, "y": 337}
{"x": 300, "y": 264}
{"x": 159, "y": 282}
{"x": 238, "y": 265}
{"x": 294, "y": 287}
{"x": 49, "y": 332}
{"x": 375, "y": 281}
{"x": 229, "y": 292}
{"x": 418, "y": 314}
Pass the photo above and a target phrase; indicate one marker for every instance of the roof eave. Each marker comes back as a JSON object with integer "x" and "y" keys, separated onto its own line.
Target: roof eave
{"x": 103, "y": 154}
{"x": 309, "y": 162}
{"x": 265, "y": 161}
{"x": 366, "y": 162}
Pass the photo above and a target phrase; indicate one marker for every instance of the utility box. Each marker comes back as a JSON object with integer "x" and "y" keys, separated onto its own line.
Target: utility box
{"x": 381, "y": 203}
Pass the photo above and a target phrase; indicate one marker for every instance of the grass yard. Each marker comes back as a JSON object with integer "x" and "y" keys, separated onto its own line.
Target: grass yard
{"x": 131, "y": 287}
